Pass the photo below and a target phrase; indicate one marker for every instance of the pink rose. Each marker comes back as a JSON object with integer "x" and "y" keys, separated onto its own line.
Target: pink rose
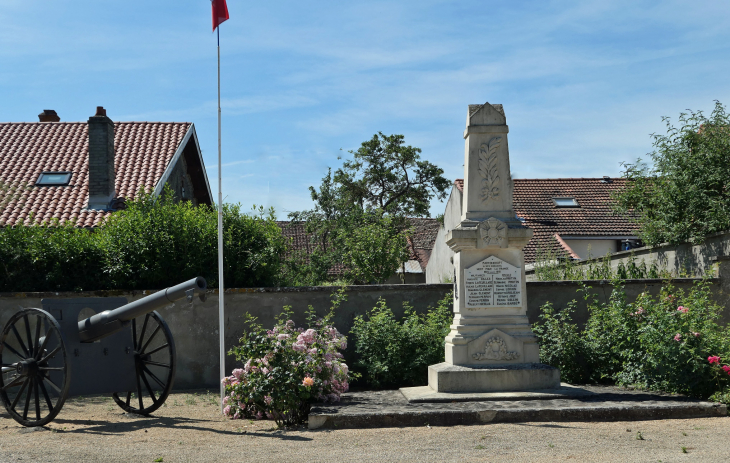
{"x": 726, "y": 369}
{"x": 682, "y": 309}
{"x": 713, "y": 359}
{"x": 308, "y": 381}
{"x": 677, "y": 337}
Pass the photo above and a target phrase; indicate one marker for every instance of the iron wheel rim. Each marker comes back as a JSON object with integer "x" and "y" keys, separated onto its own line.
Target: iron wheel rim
{"x": 34, "y": 363}
{"x": 155, "y": 359}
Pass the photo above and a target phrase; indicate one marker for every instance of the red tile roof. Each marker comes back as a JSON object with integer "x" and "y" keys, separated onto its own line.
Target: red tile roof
{"x": 532, "y": 201}
{"x": 422, "y": 239}
{"x": 142, "y": 153}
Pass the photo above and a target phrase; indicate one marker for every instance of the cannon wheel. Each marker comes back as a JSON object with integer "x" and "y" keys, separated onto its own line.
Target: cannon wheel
{"x": 154, "y": 357}
{"x": 35, "y": 373}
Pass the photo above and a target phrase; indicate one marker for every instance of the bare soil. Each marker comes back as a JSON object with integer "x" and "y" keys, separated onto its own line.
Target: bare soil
{"x": 189, "y": 428}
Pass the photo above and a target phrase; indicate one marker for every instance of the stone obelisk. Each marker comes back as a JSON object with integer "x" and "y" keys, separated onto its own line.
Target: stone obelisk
{"x": 491, "y": 347}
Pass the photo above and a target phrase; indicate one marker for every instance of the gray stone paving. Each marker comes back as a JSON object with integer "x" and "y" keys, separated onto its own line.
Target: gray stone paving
{"x": 375, "y": 409}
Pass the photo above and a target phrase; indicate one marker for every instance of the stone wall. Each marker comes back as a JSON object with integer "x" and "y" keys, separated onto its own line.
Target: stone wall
{"x": 195, "y": 325}
{"x": 679, "y": 260}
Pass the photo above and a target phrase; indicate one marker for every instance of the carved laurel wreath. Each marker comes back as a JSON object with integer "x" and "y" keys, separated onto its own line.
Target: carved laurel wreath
{"x": 493, "y": 231}
{"x": 495, "y": 349}
{"x": 489, "y": 168}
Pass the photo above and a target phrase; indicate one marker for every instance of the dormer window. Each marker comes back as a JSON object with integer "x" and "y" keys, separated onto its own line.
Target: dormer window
{"x": 565, "y": 202}
{"x": 53, "y": 179}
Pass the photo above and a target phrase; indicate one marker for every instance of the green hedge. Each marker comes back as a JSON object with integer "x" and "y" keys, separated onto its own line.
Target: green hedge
{"x": 153, "y": 243}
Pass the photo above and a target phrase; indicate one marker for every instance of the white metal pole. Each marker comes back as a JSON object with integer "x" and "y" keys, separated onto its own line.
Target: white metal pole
{"x": 221, "y": 291}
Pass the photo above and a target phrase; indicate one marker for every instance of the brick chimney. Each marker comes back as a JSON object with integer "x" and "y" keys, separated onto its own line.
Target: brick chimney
{"x": 101, "y": 160}
{"x": 48, "y": 115}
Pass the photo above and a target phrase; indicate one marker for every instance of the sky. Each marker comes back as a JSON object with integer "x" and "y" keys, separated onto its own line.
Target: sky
{"x": 583, "y": 83}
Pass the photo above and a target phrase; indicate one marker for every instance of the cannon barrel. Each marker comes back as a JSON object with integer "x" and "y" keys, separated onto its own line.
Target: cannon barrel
{"x": 110, "y": 321}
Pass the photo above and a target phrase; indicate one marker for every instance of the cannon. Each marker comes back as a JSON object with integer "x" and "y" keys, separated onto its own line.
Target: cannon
{"x": 86, "y": 346}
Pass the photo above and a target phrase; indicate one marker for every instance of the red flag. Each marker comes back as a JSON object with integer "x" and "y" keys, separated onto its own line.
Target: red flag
{"x": 220, "y": 12}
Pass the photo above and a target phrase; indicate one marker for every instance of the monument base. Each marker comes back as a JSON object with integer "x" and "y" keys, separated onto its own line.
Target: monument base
{"x": 445, "y": 377}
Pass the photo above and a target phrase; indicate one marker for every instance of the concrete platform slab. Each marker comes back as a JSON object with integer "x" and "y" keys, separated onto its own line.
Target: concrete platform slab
{"x": 423, "y": 394}
{"x": 380, "y": 409}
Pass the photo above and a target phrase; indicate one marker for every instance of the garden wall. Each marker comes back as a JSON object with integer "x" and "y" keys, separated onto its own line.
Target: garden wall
{"x": 684, "y": 259}
{"x": 195, "y": 325}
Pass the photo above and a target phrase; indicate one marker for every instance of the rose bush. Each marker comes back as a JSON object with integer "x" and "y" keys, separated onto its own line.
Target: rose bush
{"x": 666, "y": 342}
{"x": 286, "y": 368}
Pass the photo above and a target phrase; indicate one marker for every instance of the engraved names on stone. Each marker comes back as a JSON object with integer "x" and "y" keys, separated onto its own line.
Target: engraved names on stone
{"x": 492, "y": 283}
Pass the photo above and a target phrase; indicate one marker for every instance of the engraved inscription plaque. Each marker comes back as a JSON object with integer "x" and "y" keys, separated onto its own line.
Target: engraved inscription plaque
{"x": 492, "y": 283}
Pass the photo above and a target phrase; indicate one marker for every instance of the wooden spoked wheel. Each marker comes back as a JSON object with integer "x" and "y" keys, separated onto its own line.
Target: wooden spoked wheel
{"x": 35, "y": 373}
{"x": 154, "y": 357}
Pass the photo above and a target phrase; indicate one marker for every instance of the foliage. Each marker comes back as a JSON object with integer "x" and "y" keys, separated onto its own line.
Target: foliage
{"x": 144, "y": 243}
{"x": 385, "y": 175}
{"x": 359, "y": 217}
{"x": 154, "y": 243}
{"x": 374, "y": 250}
{"x": 561, "y": 343}
{"x": 656, "y": 342}
{"x": 685, "y": 194}
{"x": 287, "y": 368}
{"x": 51, "y": 257}
{"x": 396, "y": 353}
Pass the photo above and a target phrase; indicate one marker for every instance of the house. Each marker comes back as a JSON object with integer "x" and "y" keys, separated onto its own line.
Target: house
{"x": 84, "y": 171}
{"x": 570, "y": 217}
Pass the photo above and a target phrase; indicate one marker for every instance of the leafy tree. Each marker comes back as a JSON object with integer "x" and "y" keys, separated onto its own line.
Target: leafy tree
{"x": 359, "y": 215}
{"x": 685, "y": 194}
{"x": 385, "y": 175}
{"x": 374, "y": 250}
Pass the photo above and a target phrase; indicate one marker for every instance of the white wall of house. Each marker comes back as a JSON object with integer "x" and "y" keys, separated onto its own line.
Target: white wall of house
{"x": 440, "y": 269}
{"x": 594, "y": 247}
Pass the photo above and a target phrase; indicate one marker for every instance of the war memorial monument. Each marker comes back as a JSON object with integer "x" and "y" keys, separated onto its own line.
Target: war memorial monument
{"x": 491, "y": 347}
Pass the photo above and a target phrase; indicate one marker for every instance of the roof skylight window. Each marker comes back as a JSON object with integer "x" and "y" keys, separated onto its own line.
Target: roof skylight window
{"x": 53, "y": 179}
{"x": 566, "y": 202}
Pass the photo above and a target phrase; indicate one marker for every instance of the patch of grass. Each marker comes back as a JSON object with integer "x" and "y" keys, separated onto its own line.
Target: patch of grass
{"x": 639, "y": 436}
{"x": 551, "y": 445}
{"x": 480, "y": 447}
{"x": 190, "y": 400}
{"x": 157, "y": 459}
{"x": 684, "y": 449}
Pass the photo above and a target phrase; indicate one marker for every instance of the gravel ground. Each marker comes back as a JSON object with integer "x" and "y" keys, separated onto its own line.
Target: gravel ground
{"x": 189, "y": 428}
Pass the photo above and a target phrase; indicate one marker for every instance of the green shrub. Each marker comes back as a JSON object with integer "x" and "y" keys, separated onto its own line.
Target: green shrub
{"x": 50, "y": 258}
{"x": 397, "y": 353}
{"x": 561, "y": 343}
{"x": 657, "y": 342}
{"x": 155, "y": 242}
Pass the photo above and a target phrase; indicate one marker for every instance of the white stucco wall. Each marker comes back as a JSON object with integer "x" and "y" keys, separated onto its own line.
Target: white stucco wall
{"x": 440, "y": 269}
{"x": 597, "y": 247}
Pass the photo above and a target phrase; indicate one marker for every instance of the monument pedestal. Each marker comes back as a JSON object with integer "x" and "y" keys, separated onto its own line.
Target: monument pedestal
{"x": 491, "y": 347}
{"x": 445, "y": 377}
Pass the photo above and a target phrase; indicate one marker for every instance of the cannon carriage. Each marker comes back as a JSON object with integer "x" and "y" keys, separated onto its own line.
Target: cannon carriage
{"x": 123, "y": 349}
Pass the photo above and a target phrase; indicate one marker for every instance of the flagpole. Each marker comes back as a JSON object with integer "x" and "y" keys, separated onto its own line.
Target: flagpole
{"x": 221, "y": 291}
